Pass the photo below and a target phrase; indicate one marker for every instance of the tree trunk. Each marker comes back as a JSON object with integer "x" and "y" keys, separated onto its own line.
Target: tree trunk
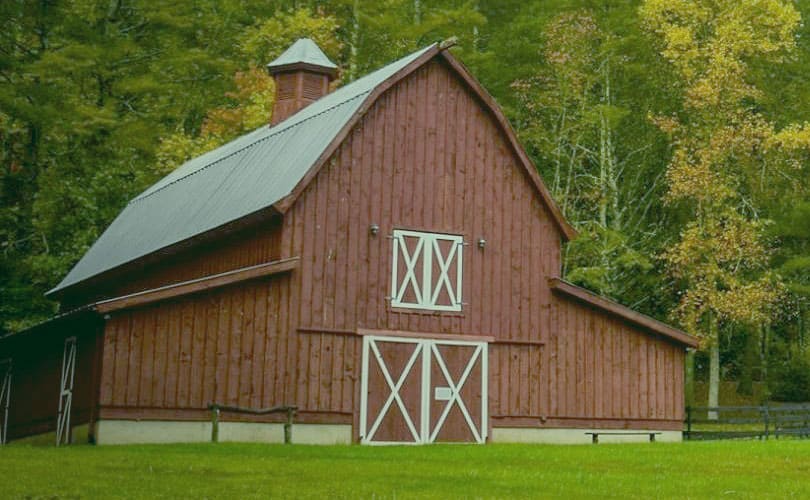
{"x": 353, "y": 40}
{"x": 745, "y": 385}
{"x": 763, "y": 359}
{"x": 714, "y": 377}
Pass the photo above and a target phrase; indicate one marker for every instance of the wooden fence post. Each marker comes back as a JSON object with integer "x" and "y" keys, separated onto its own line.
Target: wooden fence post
{"x": 766, "y": 416}
{"x": 288, "y": 426}
{"x": 688, "y": 422}
{"x": 214, "y": 424}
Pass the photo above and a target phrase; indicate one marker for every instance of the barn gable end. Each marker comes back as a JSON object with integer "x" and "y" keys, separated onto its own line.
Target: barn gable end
{"x": 426, "y": 156}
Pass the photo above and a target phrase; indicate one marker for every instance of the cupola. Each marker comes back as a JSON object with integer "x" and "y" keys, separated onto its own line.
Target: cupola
{"x": 302, "y": 75}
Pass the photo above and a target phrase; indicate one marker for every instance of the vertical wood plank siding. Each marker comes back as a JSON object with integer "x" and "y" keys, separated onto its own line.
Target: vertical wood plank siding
{"x": 244, "y": 248}
{"x": 427, "y": 156}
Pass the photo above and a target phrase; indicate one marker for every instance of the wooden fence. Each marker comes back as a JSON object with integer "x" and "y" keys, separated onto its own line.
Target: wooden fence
{"x": 736, "y": 422}
{"x": 217, "y": 409}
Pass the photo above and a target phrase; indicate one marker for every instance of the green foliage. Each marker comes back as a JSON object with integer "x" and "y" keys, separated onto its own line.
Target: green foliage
{"x": 571, "y": 118}
{"x": 378, "y": 32}
{"x": 268, "y": 38}
{"x": 791, "y": 380}
{"x": 603, "y": 260}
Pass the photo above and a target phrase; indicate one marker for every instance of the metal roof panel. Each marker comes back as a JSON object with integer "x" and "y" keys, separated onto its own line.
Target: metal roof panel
{"x": 241, "y": 177}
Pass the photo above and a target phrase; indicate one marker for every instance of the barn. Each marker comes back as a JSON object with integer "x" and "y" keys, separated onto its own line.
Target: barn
{"x": 382, "y": 257}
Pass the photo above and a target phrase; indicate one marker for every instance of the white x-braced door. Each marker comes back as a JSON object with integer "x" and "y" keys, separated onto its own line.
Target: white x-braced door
{"x": 5, "y": 398}
{"x": 419, "y": 391}
{"x": 66, "y": 392}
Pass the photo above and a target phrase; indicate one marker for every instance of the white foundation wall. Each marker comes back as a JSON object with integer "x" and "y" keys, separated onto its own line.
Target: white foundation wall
{"x": 250, "y": 432}
{"x": 578, "y": 436}
{"x": 159, "y": 431}
{"x": 274, "y": 433}
{"x": 322, "y": 434}
{"x": 151, "y": 431}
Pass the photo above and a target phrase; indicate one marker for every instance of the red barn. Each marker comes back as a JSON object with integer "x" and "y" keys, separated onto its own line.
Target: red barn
{"x": 384, "y": 257}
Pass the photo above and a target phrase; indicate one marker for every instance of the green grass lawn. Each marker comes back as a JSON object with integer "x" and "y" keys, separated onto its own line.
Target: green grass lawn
{"x": 742, "y": 469}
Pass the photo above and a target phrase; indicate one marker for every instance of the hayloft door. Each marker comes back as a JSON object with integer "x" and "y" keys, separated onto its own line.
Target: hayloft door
{"x": 5, "y": 398}
{"x": 417, "y": 391}
{"x": 66, "y": 392}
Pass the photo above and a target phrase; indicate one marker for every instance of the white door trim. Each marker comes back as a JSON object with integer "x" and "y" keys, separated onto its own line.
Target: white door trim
{"x": 428, "y": 349}
{"x": 66, "y": 391}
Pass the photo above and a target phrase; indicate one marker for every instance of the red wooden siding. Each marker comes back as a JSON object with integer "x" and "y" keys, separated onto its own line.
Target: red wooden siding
{"x": 188, "y": 353}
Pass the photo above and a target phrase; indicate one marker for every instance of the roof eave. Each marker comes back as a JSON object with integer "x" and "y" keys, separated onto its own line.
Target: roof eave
{"x": 88, "y": 310}
{"x": 622, "y": 312}
{"x": 303, "y": 66}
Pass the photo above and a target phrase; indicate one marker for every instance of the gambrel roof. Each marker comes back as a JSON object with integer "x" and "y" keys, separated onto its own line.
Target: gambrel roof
{"x": 264, "y": 169}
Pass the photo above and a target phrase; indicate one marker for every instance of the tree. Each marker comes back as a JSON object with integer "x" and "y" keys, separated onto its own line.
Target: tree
{"x": 570, "y": 118}
{"x": 86, "y": 90}
{"x": 380, "y": 32}
{"x": 725, "y": 155}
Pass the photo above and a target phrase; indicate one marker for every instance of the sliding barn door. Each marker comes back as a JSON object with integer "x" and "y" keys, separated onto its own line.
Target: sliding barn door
{"x": 418, "y": 391}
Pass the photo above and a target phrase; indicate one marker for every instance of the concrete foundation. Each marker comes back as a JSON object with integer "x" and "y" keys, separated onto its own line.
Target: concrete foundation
{"x": 157, "y": 431}
{"x": 248, "y": 432}
{"x": 577, "y": 436}
{"x": 322, "y": 434}
{"x": 151, "y": 431}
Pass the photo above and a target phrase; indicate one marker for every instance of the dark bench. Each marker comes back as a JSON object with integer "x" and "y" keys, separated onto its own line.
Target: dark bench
{"x": 595, "y": 435}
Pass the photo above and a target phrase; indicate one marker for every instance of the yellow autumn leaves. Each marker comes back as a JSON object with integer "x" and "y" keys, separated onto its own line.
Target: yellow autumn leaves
{"x": 724, "y": 153}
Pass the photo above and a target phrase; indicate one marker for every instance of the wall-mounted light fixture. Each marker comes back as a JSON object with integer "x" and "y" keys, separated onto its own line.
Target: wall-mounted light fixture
{"x": 482, "y": 243}
{"x": 374, "y": 229}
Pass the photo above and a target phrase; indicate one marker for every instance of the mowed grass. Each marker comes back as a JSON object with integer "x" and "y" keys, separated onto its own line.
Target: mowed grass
{"x": 743, "y": 469}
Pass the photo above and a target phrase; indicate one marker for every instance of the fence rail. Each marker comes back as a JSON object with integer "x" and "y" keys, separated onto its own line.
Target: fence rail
{"x": 736, "y": 422}
{"x": 217, "y": 409}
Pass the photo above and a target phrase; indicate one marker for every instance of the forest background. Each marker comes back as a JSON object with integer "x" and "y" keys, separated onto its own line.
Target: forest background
{"x": 99, "y": 99}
